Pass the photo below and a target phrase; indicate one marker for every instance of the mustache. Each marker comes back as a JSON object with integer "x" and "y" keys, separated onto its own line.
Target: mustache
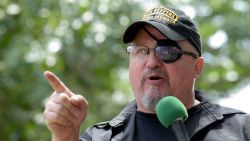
{"x": 158, "y": 71}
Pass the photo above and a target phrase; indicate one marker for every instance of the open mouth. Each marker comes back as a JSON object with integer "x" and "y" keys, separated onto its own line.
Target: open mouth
{"x": 154, "y": 78}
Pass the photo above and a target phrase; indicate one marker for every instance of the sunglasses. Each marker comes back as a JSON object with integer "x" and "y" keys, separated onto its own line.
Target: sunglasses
{"x": 166, "y": 50}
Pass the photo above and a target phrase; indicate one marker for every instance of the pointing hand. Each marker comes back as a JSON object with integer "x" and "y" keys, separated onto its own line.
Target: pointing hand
{"x": 64, "y": 110}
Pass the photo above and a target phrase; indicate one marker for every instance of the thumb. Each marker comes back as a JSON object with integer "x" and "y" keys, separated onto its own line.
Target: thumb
{"x": 79, "y": 101}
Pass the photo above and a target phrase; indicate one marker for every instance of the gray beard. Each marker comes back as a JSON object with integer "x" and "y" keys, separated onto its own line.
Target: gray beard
{"x": 150, "y": 98}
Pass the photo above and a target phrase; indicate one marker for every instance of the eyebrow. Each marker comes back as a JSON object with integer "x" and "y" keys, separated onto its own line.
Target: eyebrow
{"x": 135, "y": 44}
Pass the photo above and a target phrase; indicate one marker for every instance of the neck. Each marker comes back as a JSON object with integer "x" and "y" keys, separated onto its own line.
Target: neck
{"x": 194, "y": 103}
{"x": 145, "y": 111}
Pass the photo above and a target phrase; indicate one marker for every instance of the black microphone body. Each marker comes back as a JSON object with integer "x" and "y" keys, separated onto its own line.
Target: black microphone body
{"x": 179, "y": 130}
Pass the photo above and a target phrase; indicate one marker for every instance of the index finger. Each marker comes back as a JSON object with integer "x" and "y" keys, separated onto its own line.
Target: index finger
{"x": 56, "y": 83}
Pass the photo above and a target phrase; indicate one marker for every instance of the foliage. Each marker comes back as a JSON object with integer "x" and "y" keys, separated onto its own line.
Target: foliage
{"x": 81, "y": 41}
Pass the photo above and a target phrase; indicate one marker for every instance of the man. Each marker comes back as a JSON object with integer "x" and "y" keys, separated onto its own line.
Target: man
{"x": 165, "y": 60}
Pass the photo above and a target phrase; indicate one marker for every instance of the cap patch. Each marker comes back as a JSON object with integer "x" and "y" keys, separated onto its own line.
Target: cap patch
{"x": 161, "y": 14}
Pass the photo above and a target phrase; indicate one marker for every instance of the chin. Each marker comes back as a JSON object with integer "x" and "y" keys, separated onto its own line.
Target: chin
{"x": 150, "y": 99}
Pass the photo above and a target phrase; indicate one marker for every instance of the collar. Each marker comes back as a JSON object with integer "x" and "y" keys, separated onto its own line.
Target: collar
{"x": 209, "y": 114}
{"x": 124, "y": 114}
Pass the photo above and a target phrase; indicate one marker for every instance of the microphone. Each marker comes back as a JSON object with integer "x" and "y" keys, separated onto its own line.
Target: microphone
{"x": 171, "y": 113}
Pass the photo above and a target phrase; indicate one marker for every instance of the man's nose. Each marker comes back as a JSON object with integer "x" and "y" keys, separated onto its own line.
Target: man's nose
{"x": 153, "y": 61}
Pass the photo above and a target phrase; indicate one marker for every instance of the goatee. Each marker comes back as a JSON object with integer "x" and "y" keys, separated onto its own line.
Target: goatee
{"x": 151, "y": 97}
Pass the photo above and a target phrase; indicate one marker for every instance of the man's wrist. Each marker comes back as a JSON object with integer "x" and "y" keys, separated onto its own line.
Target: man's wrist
{"x": 71, "y": 138}
{"x": 68, "y": 139}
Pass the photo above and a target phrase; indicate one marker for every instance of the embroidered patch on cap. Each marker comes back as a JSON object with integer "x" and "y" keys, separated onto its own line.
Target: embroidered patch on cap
{"x": 161, "y": 14}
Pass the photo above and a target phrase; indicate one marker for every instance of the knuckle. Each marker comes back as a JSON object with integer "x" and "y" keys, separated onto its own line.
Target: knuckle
{"x": 62, "y": 97}
{"x": 47, "y": 104}
{"x": 53, "y": 117}
{"x": 49, "y": 107}
{"x": 61, "y": 109}
{"x": 82, "y": 99}
{"x": 46, "y": 115}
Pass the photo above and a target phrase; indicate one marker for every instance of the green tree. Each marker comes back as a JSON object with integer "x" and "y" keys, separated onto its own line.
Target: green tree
{"x": 81, "y": 41}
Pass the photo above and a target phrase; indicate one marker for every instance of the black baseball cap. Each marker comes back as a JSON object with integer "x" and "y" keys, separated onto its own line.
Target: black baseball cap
{"x": 171, "y": 22}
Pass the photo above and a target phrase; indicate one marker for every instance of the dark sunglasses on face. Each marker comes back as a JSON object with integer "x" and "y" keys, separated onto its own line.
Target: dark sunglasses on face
{"x": 166, "y": 50}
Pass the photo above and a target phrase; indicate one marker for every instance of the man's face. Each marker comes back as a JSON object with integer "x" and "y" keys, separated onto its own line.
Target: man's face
{"x": 152, "y": 79}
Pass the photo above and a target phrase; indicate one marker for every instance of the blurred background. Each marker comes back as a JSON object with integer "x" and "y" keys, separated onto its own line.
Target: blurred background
{"x": 81, "y": 41}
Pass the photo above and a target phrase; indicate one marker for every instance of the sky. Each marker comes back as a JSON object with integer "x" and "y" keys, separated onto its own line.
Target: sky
{"x": 239, "y": 100}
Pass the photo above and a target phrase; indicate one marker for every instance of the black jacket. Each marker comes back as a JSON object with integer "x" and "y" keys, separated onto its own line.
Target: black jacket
{"x": 212, "y": 123}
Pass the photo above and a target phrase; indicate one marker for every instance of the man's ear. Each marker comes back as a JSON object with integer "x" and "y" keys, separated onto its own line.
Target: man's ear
{"x": 199, "y": 63}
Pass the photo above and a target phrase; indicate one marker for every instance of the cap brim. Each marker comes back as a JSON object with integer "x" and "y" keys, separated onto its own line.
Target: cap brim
{"x": 132, "y": 30}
